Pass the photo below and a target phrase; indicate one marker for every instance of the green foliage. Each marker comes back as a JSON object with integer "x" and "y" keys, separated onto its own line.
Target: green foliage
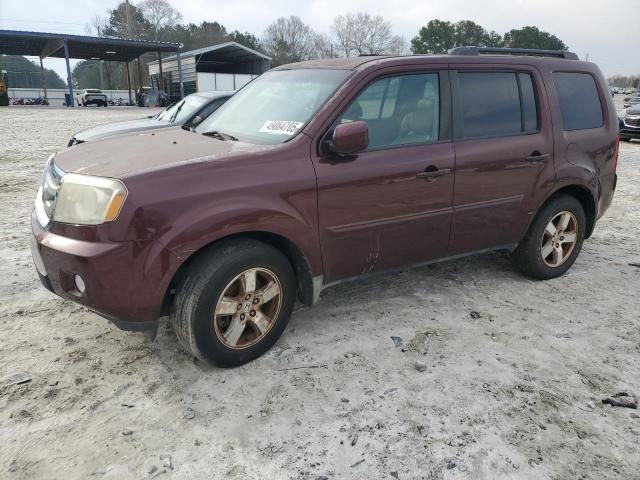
{"x": 438, "y": 36}
{"x": 86, "y": 74}
{"x": 247, "y": 39}
{"x": 532, "y": 37}
{"x": 23, "y": 73}
{"x": 127, "y": 21}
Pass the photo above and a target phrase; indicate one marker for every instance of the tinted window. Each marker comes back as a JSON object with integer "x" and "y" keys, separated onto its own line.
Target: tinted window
{"x": 529, "y": 111}
{"x": 398, "y": 110}
{"x": 490, "y": 104}
{"x": 579, "y": 100}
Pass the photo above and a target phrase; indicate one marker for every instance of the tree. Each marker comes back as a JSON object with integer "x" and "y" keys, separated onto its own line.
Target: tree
{"x": 127, "y": 21}
{"x": 208, "y": 33}
{"x": 323, "y": 46}
{"x": 160, "y": 15}
{"x": 23, "y": 73}
{"x": 438, "y": 36}
{"x": 247, "y": 39}
{"x": 532, "y": 37}
{"x": 87, "y": 74}
{"x": 363, "y": 34}
{"x": 470, "y": 33}
{"x": 397, "y": 46}
{"x": 288, "y": 40}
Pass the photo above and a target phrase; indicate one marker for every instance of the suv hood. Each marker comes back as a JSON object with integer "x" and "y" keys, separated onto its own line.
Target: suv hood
{"x": 633, "y": 110}
{"x": 119, "y": 157}
{"x": 120, "y": 128}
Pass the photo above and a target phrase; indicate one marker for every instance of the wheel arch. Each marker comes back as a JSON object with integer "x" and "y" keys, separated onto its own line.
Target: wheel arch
{"x": 586, "y": 199}
{"x": 306, "y": 284}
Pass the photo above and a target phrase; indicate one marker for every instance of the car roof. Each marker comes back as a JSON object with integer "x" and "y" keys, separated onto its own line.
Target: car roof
{"x": 369, "y": 61}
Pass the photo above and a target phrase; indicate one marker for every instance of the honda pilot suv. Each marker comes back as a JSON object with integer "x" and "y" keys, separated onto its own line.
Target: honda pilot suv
{"x": 323, "y": 171}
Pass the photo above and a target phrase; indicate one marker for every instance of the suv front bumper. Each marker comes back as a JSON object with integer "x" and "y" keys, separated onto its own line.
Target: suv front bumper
{"x": 125, "y": 282}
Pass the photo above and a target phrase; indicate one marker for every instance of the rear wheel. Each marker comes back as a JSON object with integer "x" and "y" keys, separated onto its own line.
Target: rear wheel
{"x": 554, "y": 239}
{"x": 234, "y": 302}
{"x": 625, "y": 139}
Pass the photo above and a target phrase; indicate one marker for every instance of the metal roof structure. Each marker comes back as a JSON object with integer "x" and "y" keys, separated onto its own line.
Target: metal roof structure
{"x": 62, "y": 45}
{"x": 41, "y": 44}
{"x": 221, "y": 53}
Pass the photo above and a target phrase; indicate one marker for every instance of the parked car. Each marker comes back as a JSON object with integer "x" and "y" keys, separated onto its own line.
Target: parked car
{"x": 187, "y": 112}
{"x": 630, "y": 123}
{"x": 323, "y": 171}
{"x": 632, "y": 100}
{"x": 91, "y": 96}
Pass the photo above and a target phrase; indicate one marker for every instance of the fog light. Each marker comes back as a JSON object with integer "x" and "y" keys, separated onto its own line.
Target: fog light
{"x": 77, "y": 279}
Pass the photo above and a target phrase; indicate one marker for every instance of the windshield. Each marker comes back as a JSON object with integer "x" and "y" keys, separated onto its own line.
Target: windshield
{"x": 275, "y": 106}
{"x": 182, "y": 110}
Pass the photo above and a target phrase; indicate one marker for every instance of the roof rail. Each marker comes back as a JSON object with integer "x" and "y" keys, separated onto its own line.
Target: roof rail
{"x": 533, "y": 52}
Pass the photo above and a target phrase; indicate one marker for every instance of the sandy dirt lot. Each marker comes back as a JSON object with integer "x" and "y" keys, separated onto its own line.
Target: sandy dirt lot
{"x": 497, "y": 376}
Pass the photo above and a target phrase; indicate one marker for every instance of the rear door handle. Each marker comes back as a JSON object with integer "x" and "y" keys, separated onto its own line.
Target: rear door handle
{"x": 430, "y": 173}
{"x": 536, "y": 156}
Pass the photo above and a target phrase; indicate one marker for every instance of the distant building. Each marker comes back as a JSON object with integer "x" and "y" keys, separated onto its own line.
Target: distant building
{"x": 223, "y": 67}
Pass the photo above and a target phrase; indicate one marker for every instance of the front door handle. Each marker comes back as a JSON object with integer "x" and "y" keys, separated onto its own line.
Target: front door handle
{"x": 536, "y": 156}
{"x": 431, "y": 172}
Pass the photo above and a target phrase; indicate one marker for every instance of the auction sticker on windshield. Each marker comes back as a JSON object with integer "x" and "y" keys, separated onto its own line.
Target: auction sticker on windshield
{"x": 280, "y": 127}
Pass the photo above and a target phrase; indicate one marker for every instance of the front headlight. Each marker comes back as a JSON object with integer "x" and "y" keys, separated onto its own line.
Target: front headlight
{"x": 87, "y": 200}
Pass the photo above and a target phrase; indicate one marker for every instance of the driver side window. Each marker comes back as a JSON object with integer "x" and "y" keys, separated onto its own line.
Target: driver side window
{"x": 399, "y": 110}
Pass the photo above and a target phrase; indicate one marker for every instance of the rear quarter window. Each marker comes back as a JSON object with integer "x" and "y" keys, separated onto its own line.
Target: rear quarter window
{"x": 579, "y": 100}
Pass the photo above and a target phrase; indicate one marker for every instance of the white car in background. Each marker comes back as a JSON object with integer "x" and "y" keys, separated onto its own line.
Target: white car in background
{"x": 91, "y": 96}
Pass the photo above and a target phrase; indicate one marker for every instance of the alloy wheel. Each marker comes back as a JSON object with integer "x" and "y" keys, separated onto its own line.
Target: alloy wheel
{"x": 559, "y": 239}
{"x": 247, "y": 309}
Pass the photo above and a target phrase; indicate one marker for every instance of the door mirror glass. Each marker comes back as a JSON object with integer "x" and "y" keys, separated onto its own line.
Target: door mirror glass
{"x": 350, "y": 138}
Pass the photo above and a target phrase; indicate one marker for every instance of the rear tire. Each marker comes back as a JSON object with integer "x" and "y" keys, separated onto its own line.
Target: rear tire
{"x": 223, "y": 317}
{"x": 550, "y": 248}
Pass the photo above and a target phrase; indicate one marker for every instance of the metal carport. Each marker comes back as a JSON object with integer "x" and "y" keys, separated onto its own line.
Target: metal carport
{"x": 61, "y": 45}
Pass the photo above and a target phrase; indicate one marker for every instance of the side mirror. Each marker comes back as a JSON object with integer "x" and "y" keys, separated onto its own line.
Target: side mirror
{"x": 350, "y": 138}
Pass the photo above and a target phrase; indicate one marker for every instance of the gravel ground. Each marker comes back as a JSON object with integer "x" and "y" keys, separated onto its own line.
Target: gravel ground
{"x": 496, "y": 377}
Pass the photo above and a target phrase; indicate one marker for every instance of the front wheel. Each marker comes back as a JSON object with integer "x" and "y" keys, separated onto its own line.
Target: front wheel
{"x": 554, "y": 239}
{"x": 234, "y": 302}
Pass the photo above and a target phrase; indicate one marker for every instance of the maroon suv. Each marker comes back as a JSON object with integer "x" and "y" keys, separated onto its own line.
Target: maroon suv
{"x": 323, "y": 171}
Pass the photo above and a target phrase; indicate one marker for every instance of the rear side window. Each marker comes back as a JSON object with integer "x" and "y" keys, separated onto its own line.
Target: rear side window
{"x": 496, "y": 103}
{"x": 579, "y": 100}
{"x": 529, "y": 110}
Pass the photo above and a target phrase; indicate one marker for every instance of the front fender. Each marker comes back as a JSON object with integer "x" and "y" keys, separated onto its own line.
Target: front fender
{"x": 198, "y": 229}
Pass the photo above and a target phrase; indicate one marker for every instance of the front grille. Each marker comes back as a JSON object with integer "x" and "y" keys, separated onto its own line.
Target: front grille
{"x": 48, "y": 192}
{"x": 632, "y": 121}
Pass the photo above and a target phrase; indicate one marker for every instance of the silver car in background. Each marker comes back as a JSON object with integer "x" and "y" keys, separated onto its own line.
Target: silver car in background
{"x": 188, "y": 112}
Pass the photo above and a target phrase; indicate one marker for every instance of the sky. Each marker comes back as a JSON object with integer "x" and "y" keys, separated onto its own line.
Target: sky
{"x": 600, "y": 29}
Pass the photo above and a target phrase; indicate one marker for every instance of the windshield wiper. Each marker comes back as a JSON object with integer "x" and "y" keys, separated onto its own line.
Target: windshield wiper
{"x": 175, "y": 114}
{"x": 220, "y": 135}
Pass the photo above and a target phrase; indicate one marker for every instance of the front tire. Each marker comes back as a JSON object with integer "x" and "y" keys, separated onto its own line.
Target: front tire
{"x": 554, "y": 239}
{"x": 234, "y": 302}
